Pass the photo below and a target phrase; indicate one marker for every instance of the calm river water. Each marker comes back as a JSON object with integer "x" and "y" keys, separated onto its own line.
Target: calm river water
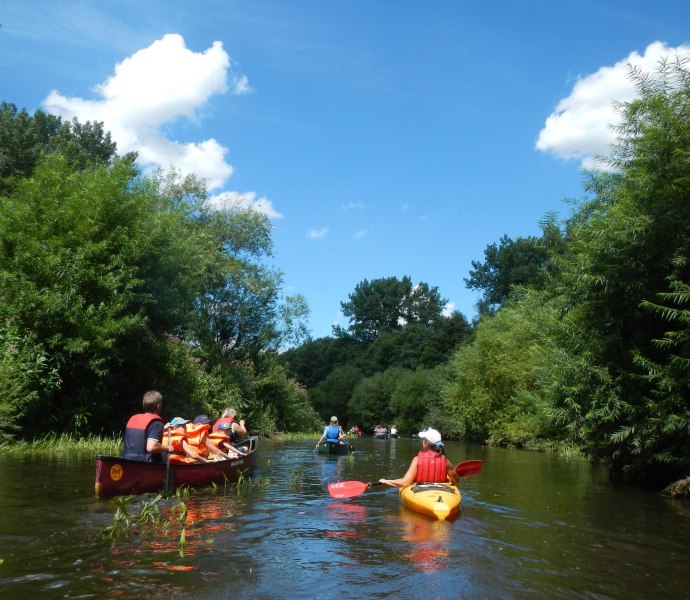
{"x": 532, "y": 526}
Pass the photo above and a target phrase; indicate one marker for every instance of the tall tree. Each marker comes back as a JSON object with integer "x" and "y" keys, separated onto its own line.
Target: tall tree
{"x": 627, "y": 257}
{"x": 25, "y": 138}
{"x": 512, "y": 263}
{"x": 387, "y": 305}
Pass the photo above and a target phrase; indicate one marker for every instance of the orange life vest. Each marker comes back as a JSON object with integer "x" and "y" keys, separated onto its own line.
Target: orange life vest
{"x": 431, "y": 467}
{"x": 176, "y": 450}
{"x": 196, "y": 437}
{"x": 219, "y": 439}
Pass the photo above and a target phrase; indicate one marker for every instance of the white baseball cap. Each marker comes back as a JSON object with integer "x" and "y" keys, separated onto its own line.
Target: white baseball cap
{"x": 430, "y": 435}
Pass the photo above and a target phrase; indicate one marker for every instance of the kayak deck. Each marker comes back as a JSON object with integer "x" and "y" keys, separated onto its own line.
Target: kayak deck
{"x": 437, "y": 500}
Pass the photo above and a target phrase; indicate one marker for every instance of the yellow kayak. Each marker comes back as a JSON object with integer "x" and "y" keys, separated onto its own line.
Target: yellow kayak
{"x": 438, "y": 500}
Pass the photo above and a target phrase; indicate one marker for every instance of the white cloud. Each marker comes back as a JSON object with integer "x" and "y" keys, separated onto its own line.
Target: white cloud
{"x": 241, "y": 86}
{"x": 316, "y": 234}
{"x": 360, "y": 233}
{"x": 580, "y": 127}
{"x": 448, "y": 309}
{"x": 353, "y": 206}
{"x": 404, "y": 207}
{"x": 230, "y": 200}
{"x": 154, "y": 87}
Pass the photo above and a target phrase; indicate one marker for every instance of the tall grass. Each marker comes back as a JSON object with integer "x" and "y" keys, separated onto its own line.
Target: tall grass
{"x": 66, "y": 443}
{"x": 287, "y": 436}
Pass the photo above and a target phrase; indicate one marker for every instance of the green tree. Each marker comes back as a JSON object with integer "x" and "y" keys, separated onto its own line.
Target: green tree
{"x": 416, "y": 345}
{"x": 387, "y": 305}
{"x": 370, "y": 403}
{"x": 26, "y": 376}
{"x": 416, "y": 400}
{"x": 627, "y": 251}
{"x": 521, "y": 262}
{"x": 25, "y": 138}
{"x": 311, "y": 362}
{"x": 294, "y": 317}
{"x": 494, "y": 393}
{"x": 92, "y": 265}
{"x": 332, "y": 395}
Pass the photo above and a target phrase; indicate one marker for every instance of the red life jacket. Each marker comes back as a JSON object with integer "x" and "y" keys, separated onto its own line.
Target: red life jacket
{"x": 431, "y": 467}
{"x": 216, "y": 425}
{"x": 135, "y": 437}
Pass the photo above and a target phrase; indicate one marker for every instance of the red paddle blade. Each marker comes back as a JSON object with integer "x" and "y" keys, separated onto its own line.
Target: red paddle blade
{"x": 469, "y": 467}
{"x": 347, "y": 489}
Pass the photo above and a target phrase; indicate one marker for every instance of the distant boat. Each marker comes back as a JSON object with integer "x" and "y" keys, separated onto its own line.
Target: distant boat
{"x": 123, "y": 477}
{"x": 335, "y": 448}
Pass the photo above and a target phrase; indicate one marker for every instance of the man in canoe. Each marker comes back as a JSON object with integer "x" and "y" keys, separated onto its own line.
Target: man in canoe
{"x": 144, "y": 431}
{"x": 429, "y": 466}
{"x": 331, "y": 433}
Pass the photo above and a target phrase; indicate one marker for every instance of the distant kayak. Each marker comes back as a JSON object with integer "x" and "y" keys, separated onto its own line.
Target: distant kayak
{"x": 438, "y": 500}
{"x": 335, "y": 448}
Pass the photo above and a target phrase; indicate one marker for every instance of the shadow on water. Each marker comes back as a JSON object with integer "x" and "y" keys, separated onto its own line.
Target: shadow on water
{"x": 532, "y": 525}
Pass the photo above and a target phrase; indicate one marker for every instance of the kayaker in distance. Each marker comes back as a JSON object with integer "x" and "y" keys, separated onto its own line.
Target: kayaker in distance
{"x": 429, "y": 466}
{"x": 331, "y": 433}
{"x": 144, "y": 431}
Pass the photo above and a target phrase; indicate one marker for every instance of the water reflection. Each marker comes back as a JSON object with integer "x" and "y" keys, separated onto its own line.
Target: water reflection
{"x": 332, "y": 468}
{"x": 428, "y": 539}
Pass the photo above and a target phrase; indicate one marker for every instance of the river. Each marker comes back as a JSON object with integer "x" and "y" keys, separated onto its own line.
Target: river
{"x": 533, "y": 525}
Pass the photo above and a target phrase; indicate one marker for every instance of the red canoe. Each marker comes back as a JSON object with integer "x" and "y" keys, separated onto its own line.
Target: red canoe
{"x": 122, "y": 477}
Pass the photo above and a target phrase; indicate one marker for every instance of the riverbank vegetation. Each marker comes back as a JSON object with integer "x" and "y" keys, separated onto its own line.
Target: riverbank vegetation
{"x": 114, "y": 283}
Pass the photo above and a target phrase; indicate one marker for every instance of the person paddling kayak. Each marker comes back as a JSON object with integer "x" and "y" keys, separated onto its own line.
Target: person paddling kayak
{"x": 430, "y": 464}
{"x": 332, "y": 433}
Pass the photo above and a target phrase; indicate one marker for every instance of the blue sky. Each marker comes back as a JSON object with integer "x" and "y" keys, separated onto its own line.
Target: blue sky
{"x": 382, "y": 138}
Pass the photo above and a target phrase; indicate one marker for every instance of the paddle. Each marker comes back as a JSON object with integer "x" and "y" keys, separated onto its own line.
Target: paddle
{"x": 168, "y": 480}
{"x": 469, "y": 467}
{"x": 349, "y": 489}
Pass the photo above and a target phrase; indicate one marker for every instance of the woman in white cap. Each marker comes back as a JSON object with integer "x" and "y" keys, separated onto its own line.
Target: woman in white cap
{"x": 430, "y": 464}
{"x": 331, "y": 433}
